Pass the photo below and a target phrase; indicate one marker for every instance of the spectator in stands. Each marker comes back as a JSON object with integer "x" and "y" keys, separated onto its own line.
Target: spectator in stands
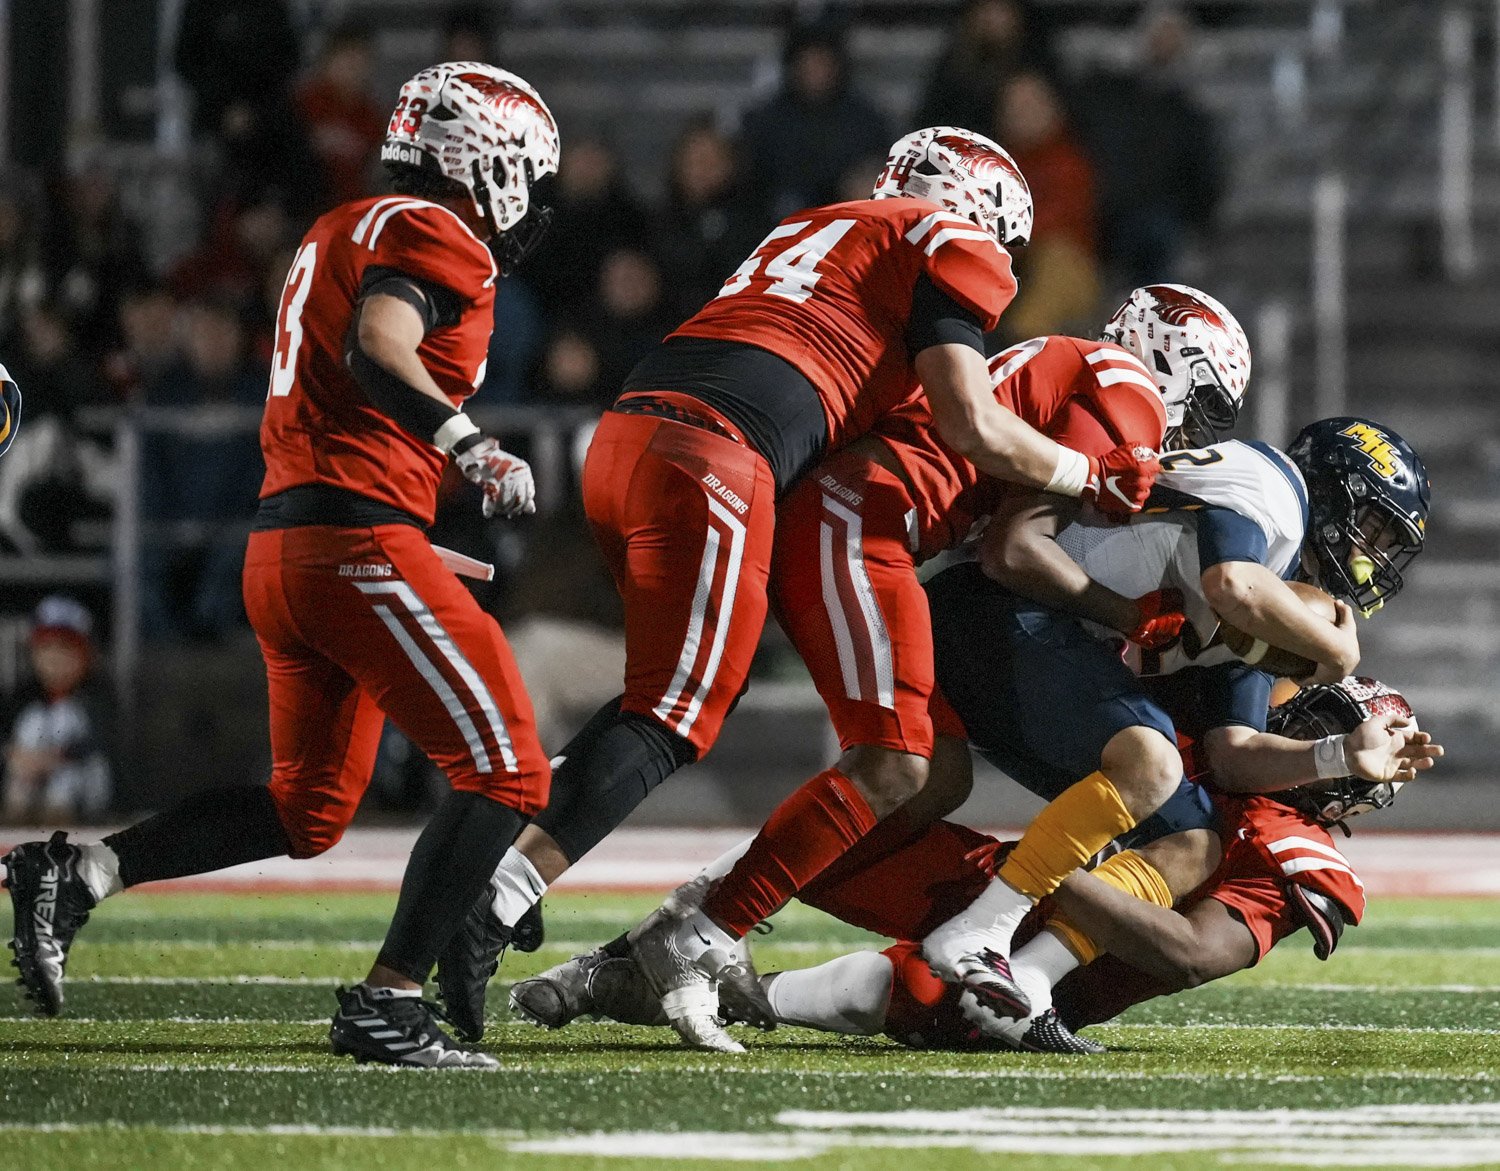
{"x": 1059, "y": 270}
{"x": 56, "y": 764}
{"x": 595, "y": 214}
{"x": 471, "y": 32}
{"x": 148, "y": 341}
{"x": 630, "y": 315}
{"x": 245, "y": 248}
{"x": 90, "y": 253}
{"x": 344, "y": 123}
{"x": 993, "y": 41}
{"x": 1157, "y": 152}
{"x": 799, "y": 144}
{"x": 570, "y": 372}
{"x": 240, "y": 59}
{"x": 52, "y": 479}
{"x": 209, "y": 473}
{"x": 712, "y": 219}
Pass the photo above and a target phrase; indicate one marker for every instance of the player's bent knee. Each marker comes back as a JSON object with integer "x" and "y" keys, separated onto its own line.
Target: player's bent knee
{"x": 886, "y": 778}
{"x": 1144, "y": 767}
{"x": 314, "y": 819}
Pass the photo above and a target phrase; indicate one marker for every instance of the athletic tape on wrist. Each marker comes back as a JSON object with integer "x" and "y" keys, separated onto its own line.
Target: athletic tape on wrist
{"x": 1330, "y": 758}
{"x": 456, "y": 428}
{"x": 1071, "y": 473}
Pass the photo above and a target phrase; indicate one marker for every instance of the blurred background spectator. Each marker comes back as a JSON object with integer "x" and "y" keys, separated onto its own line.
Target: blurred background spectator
{"x": 595, "y": 213}
{"x": 199, "y": 485}
{"x": 1156, "y": 150}
{"x": 57, "y": 767}
{"x": 1058, "y": 270}
{"x": 712, "y": 218}
{"x": 345, "y": 124}
{"x": 799, "y": 144}
{"x": 992, "y": 41}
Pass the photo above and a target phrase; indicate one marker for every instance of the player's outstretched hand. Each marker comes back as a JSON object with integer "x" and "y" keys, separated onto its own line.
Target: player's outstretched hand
{"x": 1161, "y": 619}
{"x": 505, "y": 478}
{"x": 1120, "y": 480}
{"x": 1390, "y": 748}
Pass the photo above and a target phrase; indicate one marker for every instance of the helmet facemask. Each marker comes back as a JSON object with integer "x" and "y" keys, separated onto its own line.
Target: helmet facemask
{"x": 1362, "y": 554}
{"x": 1209, "y": 409}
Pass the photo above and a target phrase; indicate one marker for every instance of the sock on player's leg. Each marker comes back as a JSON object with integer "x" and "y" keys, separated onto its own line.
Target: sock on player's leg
{"x": 605, "y": 772}
{"x": 452, "y": 861}
{"x": 99, "y": 868}
{"x": 1039, "y": 965}
{"x": 1081, "y": 821}
{"x": 1127, "y": 871}
{"x": 809, "y": 830}
{"x": 211, "y": 830}
{"x": 846, "y": 995}
{"x": 517, "y": 886}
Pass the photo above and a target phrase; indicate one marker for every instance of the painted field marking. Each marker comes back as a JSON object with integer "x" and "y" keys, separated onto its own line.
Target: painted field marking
{"x": 1434, "y": 1136}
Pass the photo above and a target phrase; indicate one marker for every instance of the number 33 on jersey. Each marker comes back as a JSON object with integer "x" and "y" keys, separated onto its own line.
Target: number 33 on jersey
{"x": 318, "y": 428}
{"x": 830, "y": 290}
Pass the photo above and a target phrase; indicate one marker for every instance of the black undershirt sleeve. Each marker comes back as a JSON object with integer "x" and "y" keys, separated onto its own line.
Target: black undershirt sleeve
{"x": 419, "y": 414}
{"x": 937, "y": 320}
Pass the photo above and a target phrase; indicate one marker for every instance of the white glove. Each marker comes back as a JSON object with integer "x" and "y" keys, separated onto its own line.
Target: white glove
{"x": 506, "y": 479}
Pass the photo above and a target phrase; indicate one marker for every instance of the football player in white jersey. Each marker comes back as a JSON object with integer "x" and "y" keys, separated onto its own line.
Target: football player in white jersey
{"x": 1046, "y": 689}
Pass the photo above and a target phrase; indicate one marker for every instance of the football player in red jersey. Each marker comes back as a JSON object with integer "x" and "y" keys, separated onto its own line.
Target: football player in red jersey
{"x": 383, "y": 330}
{"x": 824, "y": 329}
{"x": 1279, "y": 871}
{"x": 844, "y": 587}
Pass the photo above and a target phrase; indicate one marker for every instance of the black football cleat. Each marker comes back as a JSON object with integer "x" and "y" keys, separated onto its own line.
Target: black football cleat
{"x": 1047, "y": 1034}
{"x": 986, "y": 973}
{"x": 530, "y": 932}
{"x": 466, "y": 965}
{"x": 50, "y": 903}
{"x": 593, "y": 984}
{"x": 742, "y": 997}
{"x": 397, "y": 1030}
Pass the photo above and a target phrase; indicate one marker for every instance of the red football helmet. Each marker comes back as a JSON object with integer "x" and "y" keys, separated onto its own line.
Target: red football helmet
{"x": 965, "y": 173}
{"x": 488, "y": 130}
{"x": 1333, "y": 709}
{"x": 1196, "y": 351}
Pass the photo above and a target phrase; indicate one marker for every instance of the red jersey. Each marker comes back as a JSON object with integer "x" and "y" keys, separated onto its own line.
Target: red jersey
{"x": 1087, "y": 395}
{"x": 318, "y": 427}
{"x": 1267, "y": 847}
{"x": 830, "y": 291}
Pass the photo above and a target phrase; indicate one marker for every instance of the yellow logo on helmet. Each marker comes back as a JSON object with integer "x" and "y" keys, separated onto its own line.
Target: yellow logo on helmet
{"x": 1375, "y": 445}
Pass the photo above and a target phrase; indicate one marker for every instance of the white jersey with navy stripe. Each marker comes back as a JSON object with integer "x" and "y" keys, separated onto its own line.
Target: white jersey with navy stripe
{"x": 1158, "y": 549}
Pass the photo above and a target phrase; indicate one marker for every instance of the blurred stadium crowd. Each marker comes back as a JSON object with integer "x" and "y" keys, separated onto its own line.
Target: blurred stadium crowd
{"x": 96, "y": 316}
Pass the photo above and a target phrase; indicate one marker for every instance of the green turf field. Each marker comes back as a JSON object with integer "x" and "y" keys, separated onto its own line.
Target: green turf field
{"x": 196, "y": 1038}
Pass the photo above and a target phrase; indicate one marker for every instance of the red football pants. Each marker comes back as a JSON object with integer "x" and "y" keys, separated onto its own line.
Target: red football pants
{"x": 685, "y": 519}
{"x": 844, "y": 587}
{"x": 359, "y": 624}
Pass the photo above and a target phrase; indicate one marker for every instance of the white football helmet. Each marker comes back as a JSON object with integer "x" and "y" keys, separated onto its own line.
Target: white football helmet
{"x": 489, "y": 131}
{"x": 965, "y": 173}
{"x": 1197, "y": 352}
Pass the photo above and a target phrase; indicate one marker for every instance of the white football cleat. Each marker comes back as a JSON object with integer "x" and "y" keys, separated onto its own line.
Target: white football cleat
{"x": 680, "y": 962}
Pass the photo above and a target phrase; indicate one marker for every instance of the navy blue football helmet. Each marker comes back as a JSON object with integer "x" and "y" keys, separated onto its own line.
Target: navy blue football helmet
{"x": 10, "y": 410}
{"x": 1368, "y": 498}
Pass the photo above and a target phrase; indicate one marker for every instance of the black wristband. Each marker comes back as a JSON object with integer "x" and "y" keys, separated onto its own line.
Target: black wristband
{"x": 419, "y": 414}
